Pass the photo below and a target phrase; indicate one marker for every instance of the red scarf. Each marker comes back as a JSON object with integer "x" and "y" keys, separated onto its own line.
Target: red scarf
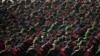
{"x": 74, "y": 34}
{"x": 86, "y": 53}
{"x": 13, "y": 51}
{"x": 1, "y": 46}
{"x": 62, "y": 52}
{"x": 39, "y": 52}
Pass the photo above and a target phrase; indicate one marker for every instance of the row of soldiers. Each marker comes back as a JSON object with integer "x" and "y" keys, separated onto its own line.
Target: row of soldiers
{"x": 46, "y": 28}
{"x": 13, "y": 1}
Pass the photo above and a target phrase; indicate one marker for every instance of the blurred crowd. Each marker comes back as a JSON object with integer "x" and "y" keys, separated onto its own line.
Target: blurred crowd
{"x": 49, "y": 27}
